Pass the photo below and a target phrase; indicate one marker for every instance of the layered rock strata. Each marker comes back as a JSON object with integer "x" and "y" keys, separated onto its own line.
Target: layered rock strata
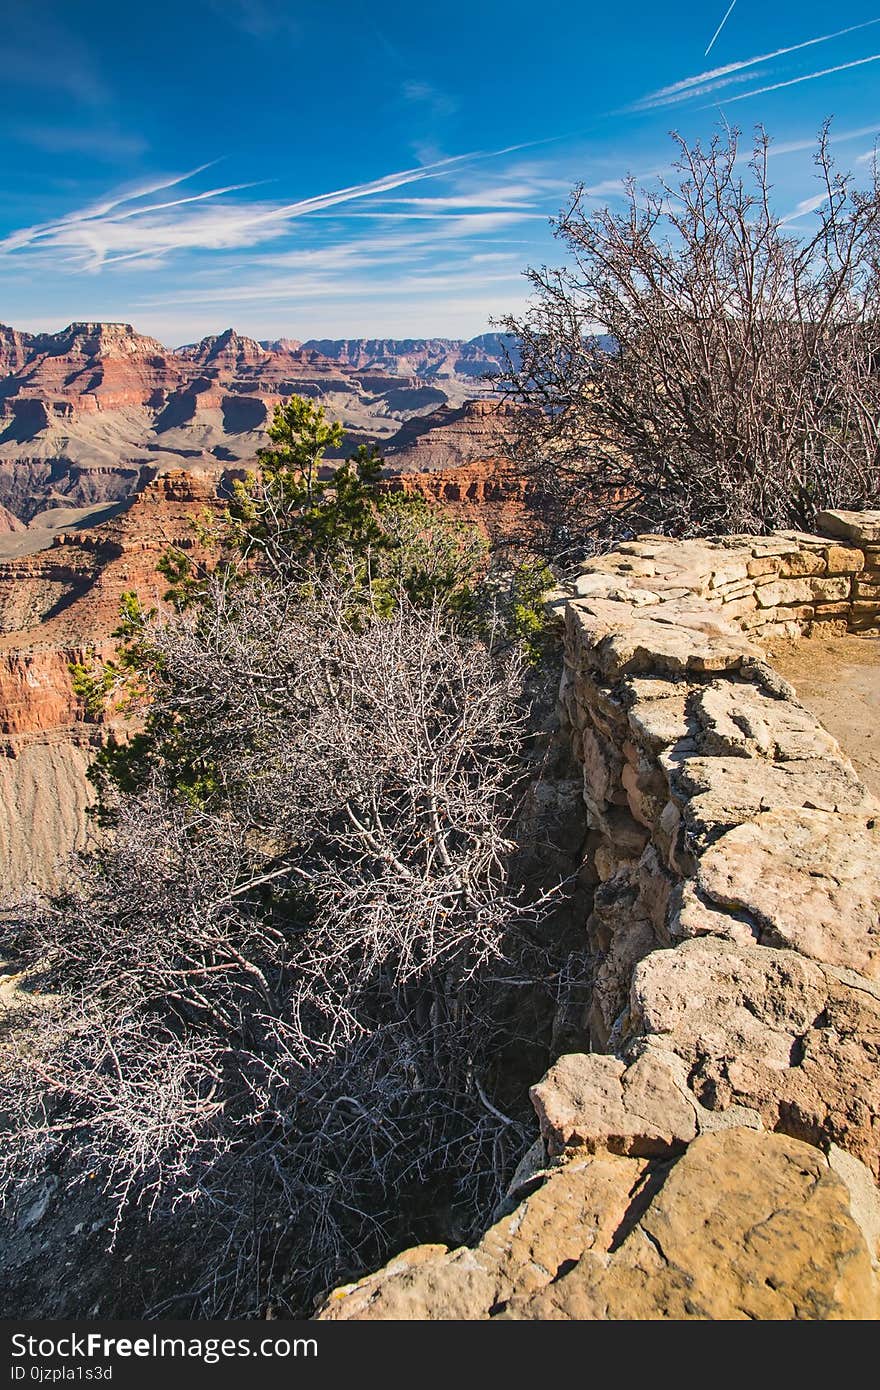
{"x": 59, "y": 603}
{"x": 716, "y": 1154}
{"x": 89, "y": 413}
{"x": 60, "y": 606}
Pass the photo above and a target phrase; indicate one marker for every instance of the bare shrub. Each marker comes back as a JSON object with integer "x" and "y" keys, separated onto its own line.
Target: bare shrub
{"x": 740, "y": 389}
{"x": 280, "y": 998}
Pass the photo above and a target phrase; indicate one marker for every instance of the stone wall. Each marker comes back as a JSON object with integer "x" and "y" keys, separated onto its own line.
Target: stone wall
{"x": 782, "y": 585}
{"x": 720, "y": 806}
{"x": 715, "y": 1155}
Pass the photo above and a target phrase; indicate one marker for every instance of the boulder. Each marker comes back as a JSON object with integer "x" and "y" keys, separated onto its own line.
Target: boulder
{"x": 596, "y": 1102}
{"x": 851, "y": 526}
{"x": 745, "y": 1225}
{"x": 794, "y": 1040}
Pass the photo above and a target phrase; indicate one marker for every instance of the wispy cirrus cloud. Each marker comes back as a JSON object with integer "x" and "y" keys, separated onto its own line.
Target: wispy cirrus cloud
{"x": 379, "y": 271}
{"x": 105, "y": 142}
{"x": 513, "y": 195}
{"x": 130, "y": 224}
{"x": 715, "y": 79}
{"x": 836, "y": 137}
{"x": 434, "y": 99}
{"x": 260, "y": 19}
{"x": 805, "y": 207}
{"x": 324, "y": 285}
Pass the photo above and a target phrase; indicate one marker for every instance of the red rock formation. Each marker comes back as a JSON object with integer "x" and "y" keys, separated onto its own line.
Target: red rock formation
{"x": 487, "y": 493}
{"x": 229, "y": 356}
{"x": 15, "y": 349}
{"x": 56, "y": 607}
{"x": 450, "y": 437}
{"x": 84, "y": 412}
{"x": 96, "y": 365}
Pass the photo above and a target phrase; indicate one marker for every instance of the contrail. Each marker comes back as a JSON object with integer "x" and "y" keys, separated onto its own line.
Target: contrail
{"x": 808, "y": 77}
{"x": 720, "y": 27}
{"x": 681, "y": 91}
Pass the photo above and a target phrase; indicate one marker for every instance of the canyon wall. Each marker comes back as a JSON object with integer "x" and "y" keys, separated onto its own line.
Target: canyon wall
{"x": 60, "y": 604}
{"x": 716, "y": 1153}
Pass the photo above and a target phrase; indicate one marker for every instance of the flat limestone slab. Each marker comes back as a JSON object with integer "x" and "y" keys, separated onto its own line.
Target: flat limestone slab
{"x": 851, "y": 526}
{"x": 811, "y": 880}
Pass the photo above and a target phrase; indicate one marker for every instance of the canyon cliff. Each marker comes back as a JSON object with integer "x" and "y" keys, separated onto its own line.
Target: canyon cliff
{"x": 59, "y": 605}
{"x": 89, "y": 413}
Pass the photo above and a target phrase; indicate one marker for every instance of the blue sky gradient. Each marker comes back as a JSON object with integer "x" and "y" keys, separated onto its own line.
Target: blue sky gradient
{"x": 301, "y": 169}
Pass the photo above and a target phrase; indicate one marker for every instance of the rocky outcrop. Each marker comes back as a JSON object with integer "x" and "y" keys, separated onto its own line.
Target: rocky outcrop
{"x": 716, "y": 1154}
{"x": 231, "y": 350}
{"x": 486, "y": 493}
{"x": 450, "y": 438}
{"x": 97, "y": 365}
{"x": 10, "y": 522}
{"x": 15, "y": 349}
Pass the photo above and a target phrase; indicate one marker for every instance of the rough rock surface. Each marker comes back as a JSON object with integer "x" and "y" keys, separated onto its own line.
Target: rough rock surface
{"x": 794, "y": 1042}
{"x": 743, "y": 1225}
{"x": 594, "y": 1101}
{"x": 809, "y": 879}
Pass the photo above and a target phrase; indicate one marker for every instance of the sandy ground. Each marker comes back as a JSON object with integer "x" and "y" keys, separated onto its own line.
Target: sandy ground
{"x": 838, "y": 678}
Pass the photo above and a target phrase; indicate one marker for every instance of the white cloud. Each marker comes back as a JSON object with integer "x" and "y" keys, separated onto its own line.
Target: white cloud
{"x": 805, "y": 207}
{"x": 835, "y": 138}
{"x": 347, "y": 288}
{"x": 514, "y": 195}
{"x": 123, "y": 226}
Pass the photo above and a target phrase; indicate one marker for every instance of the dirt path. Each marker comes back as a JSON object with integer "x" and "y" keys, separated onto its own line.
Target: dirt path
{"x": 838, "y": 678}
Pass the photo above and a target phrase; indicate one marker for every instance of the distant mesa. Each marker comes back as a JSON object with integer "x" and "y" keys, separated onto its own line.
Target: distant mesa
{"x": 423, "y": 357}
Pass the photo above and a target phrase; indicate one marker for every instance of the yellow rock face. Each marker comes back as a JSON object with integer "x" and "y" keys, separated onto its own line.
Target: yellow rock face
{"x": 745, "y": 1225}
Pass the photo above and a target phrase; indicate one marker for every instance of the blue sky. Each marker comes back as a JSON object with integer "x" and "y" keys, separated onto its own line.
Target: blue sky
{"x": 299, "y": 168}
